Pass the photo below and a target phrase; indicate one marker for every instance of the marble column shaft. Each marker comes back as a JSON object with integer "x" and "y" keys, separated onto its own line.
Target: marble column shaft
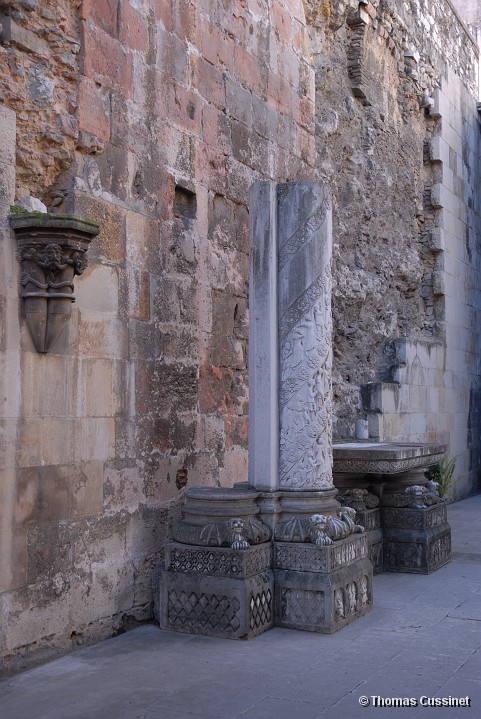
{"x": 290, "y": 341}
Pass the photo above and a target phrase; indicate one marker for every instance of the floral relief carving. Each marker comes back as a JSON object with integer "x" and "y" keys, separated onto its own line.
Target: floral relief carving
{"x": 305, "y": 398}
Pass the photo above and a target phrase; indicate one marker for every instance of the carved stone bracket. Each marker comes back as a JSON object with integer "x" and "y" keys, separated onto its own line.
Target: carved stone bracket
{"x": 51, "y": 250}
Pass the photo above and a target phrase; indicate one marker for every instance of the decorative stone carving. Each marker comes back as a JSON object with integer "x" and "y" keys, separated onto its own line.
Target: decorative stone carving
{"x": 431, "y": 493}
{"x": 339, "y": 604}
{"x": 235, "y": 533}
{"x": 384, "y": 466}
{"x": 351, "y": 597}
{"x": 290, "y": 341}
{"x": 217, "y": 591}
{"x": 308, "y": 557}
{"x": 319, "y": 529}
{"x": 416, "y": 539}
{"x": 302, "y": 606}
{"x": 218, "y": 562}
{"x": 415, "y": 497}
{"x": 216, "y": 606}
{"x": 344, "y": 525}
{"x": 51, "y": 250}
{"x": 322, "y": 589}
{"x": 440, "y": 551}
{"x": 305, "y": 341}
{"x": 414, "y": 518}
{"x": 358, "y": 499}
{"x": 312, "y": 530}
{"x": 364, "y": 598}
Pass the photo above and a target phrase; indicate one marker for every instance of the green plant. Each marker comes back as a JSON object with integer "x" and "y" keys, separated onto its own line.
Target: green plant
{"x": 18, "y": 210}
{"x": 442, "y": 473}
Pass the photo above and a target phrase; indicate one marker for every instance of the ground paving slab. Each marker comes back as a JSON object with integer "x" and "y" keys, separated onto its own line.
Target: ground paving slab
{"x": 422, "y": 639}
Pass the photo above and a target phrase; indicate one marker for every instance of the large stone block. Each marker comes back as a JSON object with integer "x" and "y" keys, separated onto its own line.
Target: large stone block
{"x": 415, "y": 540}
{"x": 100, "y": 334}
{"x": 416, "y": 552}
{"x": 110, "y": 244}
{"x": 323, "y": 603}
{"x": 98, "y": 289}
{"x": 94, "y": 109}
{"x": 321, "y": 589}
{"x": 105, "y": 60}
{"x": 98, "y": 388}
{"x": 370, "y": 519}
{"x": 217, "y": 591}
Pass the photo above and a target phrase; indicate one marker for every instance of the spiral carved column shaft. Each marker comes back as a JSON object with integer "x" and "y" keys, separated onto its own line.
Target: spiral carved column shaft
{"x": 290, "y": 345}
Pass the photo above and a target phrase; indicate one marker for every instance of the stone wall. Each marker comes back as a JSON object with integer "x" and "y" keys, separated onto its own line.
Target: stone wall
{"x": 469, "y": 11}
{"x": 379, "y": 67}
{"x": 408, "y": 404}
{"x": 154, "y": 118}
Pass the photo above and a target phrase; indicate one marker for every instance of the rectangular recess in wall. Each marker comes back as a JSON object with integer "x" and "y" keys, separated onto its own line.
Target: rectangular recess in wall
{"x": 185, "y": 203}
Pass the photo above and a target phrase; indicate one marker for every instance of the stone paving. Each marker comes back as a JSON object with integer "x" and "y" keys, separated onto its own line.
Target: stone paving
{"x": 422, "y": 639}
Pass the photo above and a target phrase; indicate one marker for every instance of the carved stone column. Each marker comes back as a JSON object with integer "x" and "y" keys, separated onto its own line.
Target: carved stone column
{"x": 322, "y": 574}
{"x": 51, "y": 250}
{"x": 290, "y": 350}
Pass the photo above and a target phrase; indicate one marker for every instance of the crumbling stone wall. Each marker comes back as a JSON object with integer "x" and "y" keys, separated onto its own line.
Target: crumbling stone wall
{"x": 175, "y": 108}
{"x": 377, "y": 67}
{"x": 39, "y": 65}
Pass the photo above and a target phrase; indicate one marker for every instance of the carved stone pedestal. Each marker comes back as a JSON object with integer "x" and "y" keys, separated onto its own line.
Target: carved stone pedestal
{"x": 217, "y": 592}
{"x": 416, "y": 540}
{"x": 370, "y": 519}
{"x": 322, "y": 588}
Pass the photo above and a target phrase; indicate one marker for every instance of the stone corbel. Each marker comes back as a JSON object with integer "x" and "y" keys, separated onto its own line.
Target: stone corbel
{"x": 51, "y": 250}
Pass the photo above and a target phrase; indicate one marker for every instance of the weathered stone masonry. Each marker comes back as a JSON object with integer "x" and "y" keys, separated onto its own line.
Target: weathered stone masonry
{"x": 175, "y": 108}
{"x": 402, "y": 214}
{"x": 153, "y": 118}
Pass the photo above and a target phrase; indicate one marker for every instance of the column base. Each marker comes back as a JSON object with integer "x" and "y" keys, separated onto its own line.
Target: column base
{"x": 416, "y": 540}
{"x": 276, "y": 507}
{"x": 370, "y": 519}
{"x": 217, "y": 592}
{"x": 321, "y": 589}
